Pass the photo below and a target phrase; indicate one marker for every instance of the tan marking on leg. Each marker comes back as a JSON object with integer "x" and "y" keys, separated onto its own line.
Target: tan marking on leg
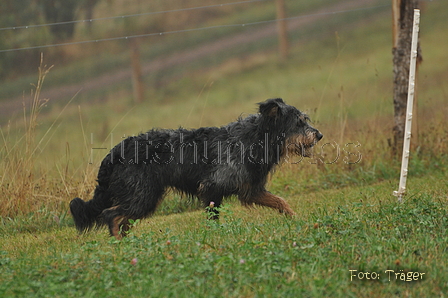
{"x": 272, "y": 201}
{"x": 115, "y": 229}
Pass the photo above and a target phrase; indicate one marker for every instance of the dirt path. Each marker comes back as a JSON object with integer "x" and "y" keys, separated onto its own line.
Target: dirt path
{"x": 252, "y": 34}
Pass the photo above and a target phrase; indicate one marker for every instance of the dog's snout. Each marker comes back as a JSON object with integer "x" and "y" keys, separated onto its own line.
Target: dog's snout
{"x": 319, "y": 136}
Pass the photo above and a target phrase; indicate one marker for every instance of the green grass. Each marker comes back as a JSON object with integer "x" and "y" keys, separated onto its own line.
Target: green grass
{"x": 249, "y": 252}
{"x": 347, "y": 218}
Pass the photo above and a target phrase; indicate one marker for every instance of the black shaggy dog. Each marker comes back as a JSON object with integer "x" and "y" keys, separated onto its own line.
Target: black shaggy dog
{"x": 210, "y": 162}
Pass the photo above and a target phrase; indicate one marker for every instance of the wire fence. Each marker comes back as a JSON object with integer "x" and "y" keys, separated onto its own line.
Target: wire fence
{"x": 173, "y": 31}
{"x": 130, "y": 16}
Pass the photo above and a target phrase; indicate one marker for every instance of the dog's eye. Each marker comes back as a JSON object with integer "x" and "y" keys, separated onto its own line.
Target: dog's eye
{"x": 303, "y": 119}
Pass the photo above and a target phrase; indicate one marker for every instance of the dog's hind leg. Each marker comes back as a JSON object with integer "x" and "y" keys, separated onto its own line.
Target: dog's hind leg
{"x": 135, "y": 194}
{"x": 136, "y": 206}
{"x": 117, "y": 222}
{"x": 265, "y": 198}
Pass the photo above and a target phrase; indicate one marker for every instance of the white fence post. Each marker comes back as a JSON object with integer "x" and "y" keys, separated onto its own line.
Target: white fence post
{"x": 407, "y": 131}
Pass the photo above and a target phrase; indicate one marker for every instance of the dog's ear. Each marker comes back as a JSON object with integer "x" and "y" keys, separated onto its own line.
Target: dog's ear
{"x": 271, "y": 107}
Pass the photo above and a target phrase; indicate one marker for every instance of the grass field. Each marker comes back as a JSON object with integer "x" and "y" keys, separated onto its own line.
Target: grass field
{"x": 347, "y": 218}
{"x": 249, "y": 253}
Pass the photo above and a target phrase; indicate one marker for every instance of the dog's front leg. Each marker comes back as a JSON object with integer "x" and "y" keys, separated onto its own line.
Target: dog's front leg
{"x": 267, "y": 199}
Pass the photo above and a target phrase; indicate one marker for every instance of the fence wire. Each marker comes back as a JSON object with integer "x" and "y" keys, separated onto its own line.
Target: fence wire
{"x": 182, "y": 30}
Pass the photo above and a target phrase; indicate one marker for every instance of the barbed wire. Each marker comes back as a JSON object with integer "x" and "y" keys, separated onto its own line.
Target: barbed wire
{"x": 190, "y": 30}
{"x": 129, "y": 16}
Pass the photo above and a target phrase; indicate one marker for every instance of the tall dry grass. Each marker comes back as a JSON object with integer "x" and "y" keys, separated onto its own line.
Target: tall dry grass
{"x": 25, "y": 184}
{"x": 18, "y": 179}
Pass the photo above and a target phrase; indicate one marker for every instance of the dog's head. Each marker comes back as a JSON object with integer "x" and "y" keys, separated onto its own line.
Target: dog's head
{"x": 285, "y": 120}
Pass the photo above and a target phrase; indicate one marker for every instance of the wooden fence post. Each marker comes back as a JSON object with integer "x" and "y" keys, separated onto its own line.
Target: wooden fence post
{"x": 282, "y": 29}
{"x": 402, "y": 24}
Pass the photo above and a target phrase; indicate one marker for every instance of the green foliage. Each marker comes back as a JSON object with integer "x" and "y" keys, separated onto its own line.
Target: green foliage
{"x": 243, "y": 255}
{"x": 60, "y": 11}
{"x": 18, "y": 19}
{"x": 14, "y": 14}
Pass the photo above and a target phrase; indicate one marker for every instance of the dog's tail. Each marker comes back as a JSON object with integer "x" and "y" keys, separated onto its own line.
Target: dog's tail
{"x": 87, "y": 214}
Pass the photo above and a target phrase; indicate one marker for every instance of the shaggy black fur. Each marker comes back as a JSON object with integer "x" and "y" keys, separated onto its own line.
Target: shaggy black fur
{"x": 210, "y": 162}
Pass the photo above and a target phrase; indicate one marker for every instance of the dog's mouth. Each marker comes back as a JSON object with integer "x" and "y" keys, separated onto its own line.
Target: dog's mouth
{"x": 306, "y": 150}
{"x": 303, "y": 146}
{"x": 301, "y": 149}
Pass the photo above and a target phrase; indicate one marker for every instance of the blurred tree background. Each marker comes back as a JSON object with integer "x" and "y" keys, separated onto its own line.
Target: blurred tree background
{"x": 23, "y": 16}
{"x": 30, "y": 23}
